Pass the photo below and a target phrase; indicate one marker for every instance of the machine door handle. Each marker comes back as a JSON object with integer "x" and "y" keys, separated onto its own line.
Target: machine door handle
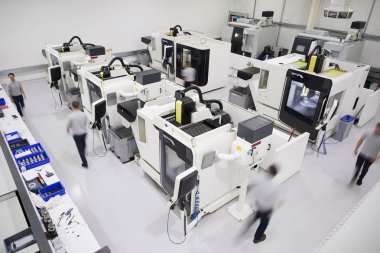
{"x": 320, "y": 113}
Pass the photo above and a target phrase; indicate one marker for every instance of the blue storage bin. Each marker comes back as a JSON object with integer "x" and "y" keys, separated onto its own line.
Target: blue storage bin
{"x": 51, "y": 190}
{"x": 348, "y": 118}
{"x": 2, "y": 101}
{"x": 33, "y": 160}
{"x": 12, "y": 137}
{"x": 34, "y": 149}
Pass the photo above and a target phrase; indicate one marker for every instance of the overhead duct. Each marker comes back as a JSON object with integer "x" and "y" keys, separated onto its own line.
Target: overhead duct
{"x": 339, "y": 9}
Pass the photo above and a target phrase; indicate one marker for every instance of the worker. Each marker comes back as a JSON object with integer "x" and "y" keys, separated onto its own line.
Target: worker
{"x": 188, "y": 74}
{"x": 368, "y": 154}
{"x": 16, "y": 93}
{"x": 266, "y": 54}
{"x": 266, "y": 195}
{"x": 77, "y": 122}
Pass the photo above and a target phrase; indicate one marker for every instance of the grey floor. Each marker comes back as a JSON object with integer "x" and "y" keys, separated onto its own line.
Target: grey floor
{"x": 128, "y": 212}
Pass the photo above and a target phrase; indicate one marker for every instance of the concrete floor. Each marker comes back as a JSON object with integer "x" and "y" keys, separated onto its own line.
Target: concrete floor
{"x": 127, "y": 211}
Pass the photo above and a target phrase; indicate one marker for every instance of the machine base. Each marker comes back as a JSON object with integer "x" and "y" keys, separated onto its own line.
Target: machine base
{"x": 242, "y": 214}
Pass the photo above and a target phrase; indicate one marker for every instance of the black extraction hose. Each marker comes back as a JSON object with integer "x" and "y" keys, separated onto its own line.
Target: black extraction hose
{"x": 74, "y": 37}
{"x": 186, "y": 33}
{"x": 178, "y": 26}
{"x": 312, "y": 52}
{"x": 208, "y": 102}
{"x": 122, "y": 63}
{"x": 136, "y": 66}
{"x": 193, "y": 87}
{"x": 201, "y": 100}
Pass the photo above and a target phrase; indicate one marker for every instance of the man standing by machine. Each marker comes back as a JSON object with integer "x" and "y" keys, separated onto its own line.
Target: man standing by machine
{"x": 16, "y": 93}
{"x": 189, "y": 74}
{"x": 368, "y": 155}
{"x": 77, "y": 121}
{"x": 266, "y": 195}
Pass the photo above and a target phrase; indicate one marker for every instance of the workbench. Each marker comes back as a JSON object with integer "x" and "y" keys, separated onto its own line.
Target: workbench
{"x": 76, "y": 236}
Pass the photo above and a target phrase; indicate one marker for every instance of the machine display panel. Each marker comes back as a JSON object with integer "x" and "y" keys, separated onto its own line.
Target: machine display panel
{"x": 302, "y": 99}
{"x": 174, "y": 164}
{"x": 300, "y": 48}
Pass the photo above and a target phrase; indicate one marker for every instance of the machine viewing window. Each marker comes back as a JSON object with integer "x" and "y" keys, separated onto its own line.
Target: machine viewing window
{"x": 263, "y": 83}
{"x": 302, "y": 99}
{"x": 174, "y": 164}
{"x": 95, "y": 91}
{"x": 186, "y": 57}
{"x": 300, "y": 48}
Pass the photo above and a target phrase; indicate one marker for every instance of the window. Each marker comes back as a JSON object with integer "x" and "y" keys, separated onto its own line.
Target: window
{"x": 174, "y": 164}
{"x": 142, "y": 131}
{"x": 303, "y": 100}
{"x": 111, "y": 99}
{"x": 263, "y": 83}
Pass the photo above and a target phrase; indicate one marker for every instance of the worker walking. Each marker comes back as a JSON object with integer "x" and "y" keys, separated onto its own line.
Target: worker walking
{"x": 266, "y": 195}
{"x": 368, "y": 154}
{"x": 76, "y": 123}
{"x": 188, "y": 74}
{"x": 16, "y": 93}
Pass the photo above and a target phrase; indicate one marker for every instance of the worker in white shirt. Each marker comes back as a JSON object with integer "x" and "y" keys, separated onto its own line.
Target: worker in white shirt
{"x": 368, "y": 154}
{"x": 76, "y": 123}
{"x": 16, "y": 93}
{"x": 266, "y": 195}
{"x": 188, "y": 74}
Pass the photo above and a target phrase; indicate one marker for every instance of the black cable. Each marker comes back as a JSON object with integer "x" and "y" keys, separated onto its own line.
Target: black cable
{"x": 93, "y": 145}
{"x": 56, "y": 108}
{"x": 71, "y": 40}
{"x": 136, "y": 66}
{"x": 167, "y": 230}
{"x": 178, "y": 26}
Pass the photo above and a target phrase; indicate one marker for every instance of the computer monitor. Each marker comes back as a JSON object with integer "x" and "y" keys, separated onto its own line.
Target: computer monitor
{"x": 185, "y": 183}
{"x": 99, "y": 109}
{"x": 54, "y": 74}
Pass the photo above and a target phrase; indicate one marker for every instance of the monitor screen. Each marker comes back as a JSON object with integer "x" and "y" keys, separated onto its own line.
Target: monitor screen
{"x": 300, "y": 48}
{"x": 54, "y": 74}
{"x": 303, "y": 100}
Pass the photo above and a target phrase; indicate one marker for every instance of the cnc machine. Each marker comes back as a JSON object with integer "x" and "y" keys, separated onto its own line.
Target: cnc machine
{"x": 171, "y": 52}
{"x": 64, "y": 55}
{"x": 249, "y": 39}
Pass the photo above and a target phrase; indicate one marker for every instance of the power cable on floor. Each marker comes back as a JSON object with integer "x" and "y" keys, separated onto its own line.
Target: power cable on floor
{"x": 167, "y": 230}
{"x": 93, "y": 145}
{"x": 56, "y": 106}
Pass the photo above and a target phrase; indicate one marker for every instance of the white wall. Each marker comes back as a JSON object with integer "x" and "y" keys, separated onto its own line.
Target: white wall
{"x": 296, "y": 12}
{"x": 361, "y": 12}
{"x": 244, "y": 6}
{"x": 269, "y": 5}
{"x": 373, "y": 26}
{"x": 26, "y": 25}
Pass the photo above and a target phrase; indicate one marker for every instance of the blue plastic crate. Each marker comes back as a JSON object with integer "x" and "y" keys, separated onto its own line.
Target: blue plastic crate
{"x": 12, "y": 137}
{"x": 32, "y": 160}
{"x": 34, "y": 149}
{"x": 348, "y": 118}
{"x": 51, "y": 190}
{"x": 2, "y": 101}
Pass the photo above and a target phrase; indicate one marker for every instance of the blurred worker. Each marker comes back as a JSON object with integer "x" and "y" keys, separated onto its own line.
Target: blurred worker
{"x": 268, "y": 53}
{"x": 188, "y": 74}
{"x": 368, "y": 155}
{"x": 16, "y": 93}
{"x": 266, "y": 195}
{"x": 77, "y": 122}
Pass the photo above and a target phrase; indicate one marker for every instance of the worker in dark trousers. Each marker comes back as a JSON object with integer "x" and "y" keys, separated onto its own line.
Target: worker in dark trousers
{"x": 266, "y": 195}
{"x": 16, "y": 93}
{"x": 368, "y": 154}
{"x": 76, "y": 123}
